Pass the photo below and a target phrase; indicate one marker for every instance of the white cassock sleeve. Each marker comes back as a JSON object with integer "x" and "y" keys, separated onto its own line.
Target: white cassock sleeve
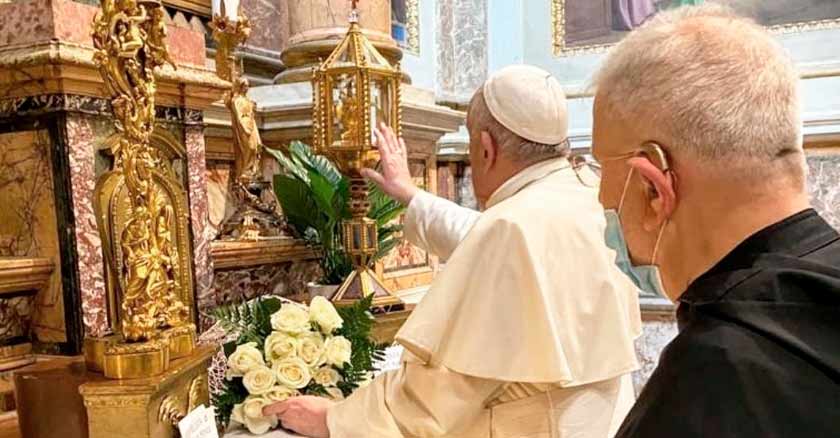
{"x": 413, "y": 401}
{"x": 437, "y": 225}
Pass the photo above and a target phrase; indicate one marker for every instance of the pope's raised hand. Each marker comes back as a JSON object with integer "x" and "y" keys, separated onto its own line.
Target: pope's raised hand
{"x": 395, "y": 178}
{"x": 306, "y": 415}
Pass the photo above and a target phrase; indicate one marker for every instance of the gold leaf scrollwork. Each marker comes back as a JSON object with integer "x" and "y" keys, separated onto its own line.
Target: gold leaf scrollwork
{"x": 171, "y": 410}
{"x": 196, "y": 391}
{"x": 128, "y": 37}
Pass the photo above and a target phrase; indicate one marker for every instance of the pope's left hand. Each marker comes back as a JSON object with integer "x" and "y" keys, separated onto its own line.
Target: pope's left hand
{"x": 305, "y": 415}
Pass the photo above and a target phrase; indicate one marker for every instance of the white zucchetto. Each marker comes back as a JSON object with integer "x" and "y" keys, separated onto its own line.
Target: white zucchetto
{"x": 528, "y": 101}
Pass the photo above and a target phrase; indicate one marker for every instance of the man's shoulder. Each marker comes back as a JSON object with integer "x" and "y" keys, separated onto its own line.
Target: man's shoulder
{"x": 717, "y": 379}
{"x": 545, "y": 206}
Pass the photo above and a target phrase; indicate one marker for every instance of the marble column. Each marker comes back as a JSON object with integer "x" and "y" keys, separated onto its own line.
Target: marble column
{"x": 81, "y": 147}
{"x": 462, "y": 49}
{"x": 316, "y": 27}
{"x": 202, "y": 232}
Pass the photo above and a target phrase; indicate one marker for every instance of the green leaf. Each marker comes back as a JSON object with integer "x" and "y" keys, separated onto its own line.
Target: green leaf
{"x": 233, "y": 393}
{"x": 229, "y": 348}
{"x": 297, "y": 203}
{"x": 288, "y": 165}
{"x": 324, "y": 194}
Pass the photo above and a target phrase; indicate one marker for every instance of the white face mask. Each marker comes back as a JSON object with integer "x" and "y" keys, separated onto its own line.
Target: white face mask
{"x": 645, "y": 277}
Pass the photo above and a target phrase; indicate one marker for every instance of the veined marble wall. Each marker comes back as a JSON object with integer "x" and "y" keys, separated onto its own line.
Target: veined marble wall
{"x": 28, "y": 227}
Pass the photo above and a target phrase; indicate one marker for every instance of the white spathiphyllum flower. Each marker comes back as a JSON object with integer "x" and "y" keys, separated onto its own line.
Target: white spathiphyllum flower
{"x": 311, "y": 349}
{"x": 326, "y": 376}
{"x": 338, "y": 350}
{"x": 246, "y": 358}
{"x": 291, "y": 318}
{"x": 259, "y": 380}
{"x": 323, "y": 313}
{"x": 281, "y": 393}
{"x": 279, "y": 346}
{"x": 293, "y": 372}
{"x": 250, "y": 414}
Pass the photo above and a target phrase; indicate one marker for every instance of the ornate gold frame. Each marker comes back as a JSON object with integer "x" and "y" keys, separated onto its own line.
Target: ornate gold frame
{"x": 412, "y": 27}
{"x": 558, "y": 33}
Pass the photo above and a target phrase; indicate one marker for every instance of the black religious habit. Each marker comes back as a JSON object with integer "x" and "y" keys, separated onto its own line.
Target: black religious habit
{"x": 758, "y": 352}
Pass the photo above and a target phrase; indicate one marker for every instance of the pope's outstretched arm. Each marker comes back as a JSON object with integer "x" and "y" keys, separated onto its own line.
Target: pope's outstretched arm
{"x": 432, "y": 223}
{"x": 413, "y": 401}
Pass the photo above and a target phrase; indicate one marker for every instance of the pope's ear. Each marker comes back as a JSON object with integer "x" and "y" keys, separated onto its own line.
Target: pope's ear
{"x": 489, "y": 150}
{"x": 660, "y": 194}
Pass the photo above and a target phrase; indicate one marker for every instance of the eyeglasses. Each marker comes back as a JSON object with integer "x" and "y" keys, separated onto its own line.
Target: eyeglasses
{"x": 649, "y": 149}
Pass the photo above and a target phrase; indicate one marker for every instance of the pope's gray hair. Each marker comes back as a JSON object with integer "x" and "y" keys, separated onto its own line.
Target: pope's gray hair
{"x": 511, "y": 144}
{"x": 712, "y": 85}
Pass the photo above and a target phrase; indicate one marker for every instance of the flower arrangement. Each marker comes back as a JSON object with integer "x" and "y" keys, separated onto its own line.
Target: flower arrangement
{"x": 286, "y": 349}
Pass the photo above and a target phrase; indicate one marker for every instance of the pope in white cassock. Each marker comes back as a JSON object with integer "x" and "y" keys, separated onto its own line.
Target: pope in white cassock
{"x": 529, "y": 328}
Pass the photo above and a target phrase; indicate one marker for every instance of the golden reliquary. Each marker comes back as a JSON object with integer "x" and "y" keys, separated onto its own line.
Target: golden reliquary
{"x": 354, "y": 90}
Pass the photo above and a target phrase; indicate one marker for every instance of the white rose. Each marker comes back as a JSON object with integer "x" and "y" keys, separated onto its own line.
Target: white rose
{"x": 279, "y": 345}
{"x": 281, "y": 393}
{"x": 338, "y": 350}
{"x": 293, "y": 372}
{"x": 326, "y": 376}
{"x": 249, "y": 413}
{"x": 259, "y": 380}
{"x": 311, "y": 349}
{"x": 291, "y": 318}
{"x": 246, "y": 358}
{"x": 324, "y": 314}
{"x": 256, "y": 423}
{"x": 334, "y": 394}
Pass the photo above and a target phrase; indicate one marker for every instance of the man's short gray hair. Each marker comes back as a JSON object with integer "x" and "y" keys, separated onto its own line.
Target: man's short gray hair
{"x": 512, "y": 145}
{"x": 714, "y": 85}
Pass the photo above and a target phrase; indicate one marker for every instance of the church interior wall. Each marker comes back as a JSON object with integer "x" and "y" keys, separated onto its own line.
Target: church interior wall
{"x": 52, "y": 143}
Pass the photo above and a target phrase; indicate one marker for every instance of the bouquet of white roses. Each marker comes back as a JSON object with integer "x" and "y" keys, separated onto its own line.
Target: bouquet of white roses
{"x": 286, "y": 349}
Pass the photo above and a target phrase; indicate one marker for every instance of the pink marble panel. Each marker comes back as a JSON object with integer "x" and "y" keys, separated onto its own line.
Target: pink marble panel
{"x": 199, "y": 219}
{"x": 73, "y": 21}
{"x": 34, "y": 21}
{"x": 186, "y": 46}
{"x": 24, "y": 22}
{"x": 80, "y": 138}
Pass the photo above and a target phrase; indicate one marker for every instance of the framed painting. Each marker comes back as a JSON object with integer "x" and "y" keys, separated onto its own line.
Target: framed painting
{"x": 589, "y": 26}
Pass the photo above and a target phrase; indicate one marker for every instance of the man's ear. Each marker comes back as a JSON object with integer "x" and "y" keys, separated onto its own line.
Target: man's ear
{"x": 489, "y": 151}
{"x": 661, "y": 191}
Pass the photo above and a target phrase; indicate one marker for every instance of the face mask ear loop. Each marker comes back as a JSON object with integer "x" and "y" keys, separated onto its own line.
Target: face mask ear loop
{"x": 624, "y": 192}
{"x": 656, "y": 245}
